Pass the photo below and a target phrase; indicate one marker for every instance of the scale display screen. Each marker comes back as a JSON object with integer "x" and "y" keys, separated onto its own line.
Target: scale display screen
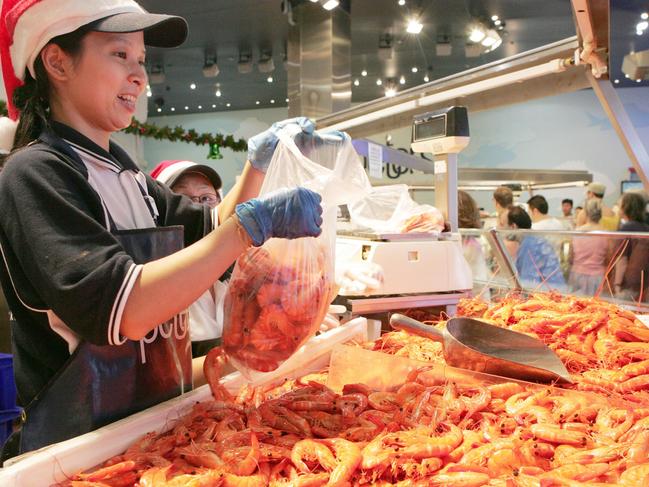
{"x": 428, "y": 129}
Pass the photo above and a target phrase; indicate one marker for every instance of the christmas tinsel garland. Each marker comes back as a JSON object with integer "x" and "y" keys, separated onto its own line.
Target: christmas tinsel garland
{"x": 177, "y": 134}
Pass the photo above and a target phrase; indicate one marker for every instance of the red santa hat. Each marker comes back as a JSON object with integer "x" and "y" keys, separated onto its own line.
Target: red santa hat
{"x": 168, "y": 172}
{"x": 28, "y": 25}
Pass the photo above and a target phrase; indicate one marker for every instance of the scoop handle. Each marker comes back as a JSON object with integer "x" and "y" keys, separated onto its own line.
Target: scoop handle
{"x": 401, "y": 322}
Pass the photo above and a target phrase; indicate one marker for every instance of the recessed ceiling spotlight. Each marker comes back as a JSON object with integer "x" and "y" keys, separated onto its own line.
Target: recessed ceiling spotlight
{"x": 329, "y": 4}
{"x": 364, "y": 72}
{"x": 149, "y": 94}
{"x": 414, "y": 69}
{"x": 638, "y": 80}
{"x": 402, "y": 80}
{"x": 257, "y": 102}
{"x": 213, "y": 105}
{"x": 644, "y": 16}
{"x": 269, "y": 79}
{"x": 642, "y": 25}
{"x": 402, "y": 2}
{"x": 379, "y": 82}
{"x": 200, "y": 107}
{"x": 626, "y": 76}
{"x": 497, "y": 22}
{"x": 218, "y": 92}
{"x": 390, "y": 92}
{"x": 159, "y": 109}
{"x": 494, "y": 17}
{"x": 356, "y": 82}
{"x": 414, "y": 26}
{"x": 186, "y": 107}
{"x": 192, "y": 86}
{"x": 173, "y": 109}
{"x": 287, "y": 100}
{"x": 616, "y": 81}
{"x": 272, "y": 100}
{"x": 228, "y": 104}
{"x": 477, "y": 34}
{"x": 426, "y": 79}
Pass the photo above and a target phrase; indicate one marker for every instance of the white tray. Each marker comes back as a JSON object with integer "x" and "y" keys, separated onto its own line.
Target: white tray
{"x": 56, "y": 463}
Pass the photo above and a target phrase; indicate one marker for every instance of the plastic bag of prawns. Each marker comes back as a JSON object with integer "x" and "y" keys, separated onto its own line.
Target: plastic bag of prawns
{"x": 279, "y": 293}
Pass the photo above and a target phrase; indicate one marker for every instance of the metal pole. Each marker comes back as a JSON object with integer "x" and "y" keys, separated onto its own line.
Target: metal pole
{"x": 625, "y": 130}
{"x": 446, "y": 187}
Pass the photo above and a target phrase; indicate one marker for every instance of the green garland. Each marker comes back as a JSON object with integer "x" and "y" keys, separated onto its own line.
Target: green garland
{"x": 178, "y": 134}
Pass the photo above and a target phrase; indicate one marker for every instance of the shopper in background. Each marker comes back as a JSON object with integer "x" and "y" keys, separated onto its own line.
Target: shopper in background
{"x": 469, "y": 217}
{"x": 538, "y": 209}
{"x": 202, "y": 185}
{"x": 609, "y": 221}
{"x": 96, "y": 287}
{"x": 517, "y": 218}
{"x": 588, "y": 254}
{"x": 503, "y": 201}
{"x": 536, "y": 259}
{"x": 566, "y": 207}
{"x": 632, "y": 270}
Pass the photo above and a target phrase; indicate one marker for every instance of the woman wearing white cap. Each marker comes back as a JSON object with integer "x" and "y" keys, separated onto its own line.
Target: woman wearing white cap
{"x": 92, "y": 267}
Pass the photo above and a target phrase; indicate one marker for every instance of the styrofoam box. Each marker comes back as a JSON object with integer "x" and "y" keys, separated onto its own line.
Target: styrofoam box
{"x": 58, "y": 462}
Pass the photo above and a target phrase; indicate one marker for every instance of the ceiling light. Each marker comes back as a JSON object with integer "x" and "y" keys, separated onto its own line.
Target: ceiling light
{"x": 414, "y": 69}
{"x": 644, "y": 16}
{"x": 213, "y": 105}
{"x": 329, "y": 4}
{"x": 616, "y": 81}
{"x": 218, "y": 92}
{"x": 497, "y": 22}
{"x": 642, "y": 25}
{"x": 269, "y": 79}
{"x": 266, "y": 64}
{"x": 228, "y": 104}
{"x": 414, "y": 26}
{"x": 426, "y": 79}
{"x": 402, "y": 2}
{"x": 287, "y": 100}
{"x": 314, "y": 1}
{"x": 173, "y": 109}
{"x": 192, "y": 86}
{"x": 638, "y": 80}
{"x": 159, "y": 109}
{"x": 402, "y": 80}
{"x": 157, "y": 75}
{"x": 186, "y": 108}
{"x": 245, "y": 63}
{"x": 390, "y": 92}
{"x": 257, "y": 102}
{"x": 492, "y": 40}
{"x": 149, "y": 93}
{"x": 364, "y": 73}
{"x": 477, "y": 34}
{"x": 494, "y": 17}
{"x": 200, "y": 107}
{"x": 379, "y": 82}
{"x": 639, "y": 32}
{"x": 272, "y": 101}
{"x": 356, "y": 82}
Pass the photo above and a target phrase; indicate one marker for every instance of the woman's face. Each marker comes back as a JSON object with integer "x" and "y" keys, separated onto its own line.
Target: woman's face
{"x": 104, "y": 83}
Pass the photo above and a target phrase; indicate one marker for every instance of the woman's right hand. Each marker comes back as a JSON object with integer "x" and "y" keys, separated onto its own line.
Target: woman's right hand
{"x": 285, "y": 213}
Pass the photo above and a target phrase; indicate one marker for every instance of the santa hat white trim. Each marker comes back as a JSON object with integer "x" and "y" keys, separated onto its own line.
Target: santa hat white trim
{"x": 7, "y": 133}
{"x": 170, "y": 171}
{"x": 50, "y": 18}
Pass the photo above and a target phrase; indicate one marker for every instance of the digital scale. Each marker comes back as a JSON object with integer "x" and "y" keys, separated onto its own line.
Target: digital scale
{"x": 419, "y": 269}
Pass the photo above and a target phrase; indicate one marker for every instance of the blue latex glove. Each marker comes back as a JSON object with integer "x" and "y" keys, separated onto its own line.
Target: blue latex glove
{"x": 262, "y": 146}
{"x": 285, "y": 213}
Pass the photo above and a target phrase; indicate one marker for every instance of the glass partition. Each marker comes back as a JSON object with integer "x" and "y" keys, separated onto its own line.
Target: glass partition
{"x": 611, "y": 265}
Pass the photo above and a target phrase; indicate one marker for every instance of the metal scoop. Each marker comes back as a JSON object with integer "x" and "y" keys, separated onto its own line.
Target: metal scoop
{"x": 476, "y": 345}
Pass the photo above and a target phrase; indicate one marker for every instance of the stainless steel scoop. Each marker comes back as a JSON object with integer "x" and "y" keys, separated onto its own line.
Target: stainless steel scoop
{"x": 476, "y": 345}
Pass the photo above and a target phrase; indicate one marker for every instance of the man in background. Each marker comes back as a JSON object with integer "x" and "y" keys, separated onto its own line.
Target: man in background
{"x": 609, "y": 221}
{"x": 566, "y": 208}
{"x": 503, "y": 201}
{"x": 538, "y": 208}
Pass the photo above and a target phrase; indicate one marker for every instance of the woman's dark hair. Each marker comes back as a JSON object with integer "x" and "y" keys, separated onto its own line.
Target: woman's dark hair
{"x": 468, "y": 214}
{"x": 519, "y": 217}
{"x": 32, "y": 98}
{"x": 633, "y": 206}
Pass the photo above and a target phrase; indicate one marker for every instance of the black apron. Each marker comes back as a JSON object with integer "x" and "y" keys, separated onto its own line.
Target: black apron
{"x": 102, "y": 384}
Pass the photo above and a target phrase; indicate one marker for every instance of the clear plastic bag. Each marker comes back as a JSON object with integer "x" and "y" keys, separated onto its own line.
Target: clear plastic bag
{"x": 390, "y": 209}
{"x": 279, "y": 293}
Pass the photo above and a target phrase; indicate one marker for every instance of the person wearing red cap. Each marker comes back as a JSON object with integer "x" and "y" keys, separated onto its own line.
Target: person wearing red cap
{"x": 202, "y": 185}
{"x": 93, "y": 265}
